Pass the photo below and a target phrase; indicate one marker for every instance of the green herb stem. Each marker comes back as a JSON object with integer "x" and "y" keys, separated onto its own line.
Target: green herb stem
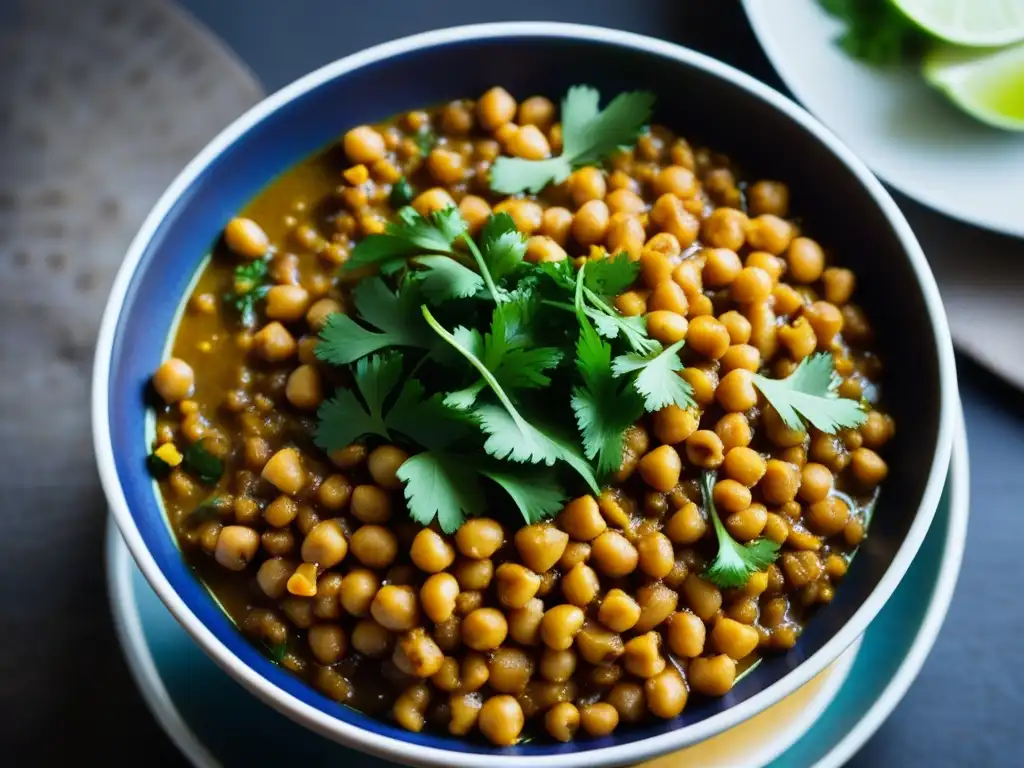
{"x": 485, "y": 273}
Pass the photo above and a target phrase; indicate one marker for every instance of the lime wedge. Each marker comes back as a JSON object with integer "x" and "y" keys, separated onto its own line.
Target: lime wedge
{"x": 968, "y": 22}
{"x": 987, "y": 85}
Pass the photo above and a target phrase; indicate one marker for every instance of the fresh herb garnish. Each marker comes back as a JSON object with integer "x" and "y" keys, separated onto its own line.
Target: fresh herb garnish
{"x": 735, "y": 563}
{"x": 809, "y": 393}
{"x": 276, "y": 652}
{"x": 201, "y": 464}
{"x": 211, "y": 509}
{"x": 251, "y": 284}
{"x": 425, "y": 140}
{"x": 157, "y": 467}
{"x": 657, "y": 378}
{"x": 401, "y": 193}
{"x": 876, "y": 31}
{"x": 589, "y": 135}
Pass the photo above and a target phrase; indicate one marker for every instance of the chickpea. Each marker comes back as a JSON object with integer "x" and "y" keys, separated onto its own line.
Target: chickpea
{"x": 245, "y": 238}
{"x": 333, "y": 494}
{"x": 540, "y": 249}
{"x": 661, "y": 467}
{"x": 631, "y": 303}
{"x": 828, "y": 517}
{"x": 625, "y": 234}
{"x": 780, "y": 482}
{"x": 733, "y": 638}
{"x": 325, "y": 544}
{"x": 741, "y": 357}
{"x": 669, "y": 215}
{"x": 304, "y": 390}
{"x": 475, "y": 210}
{"x": 410, "y": 707}
{"x": 731, "y": 496}
{"x": 530, "y": 143}
{"x": 357, "y": 591}
{"x": 432, "y": 200}
{"x": 288, "y": 303}
{"x": 581, "y": 519}
{"x": 815, "y": 482}
{"x": 708, "y": 337}
{"x": 721, "y": 267}
{"x": 876, "y": 430}
{"x": 495, "y": 108}
{"x": 838, "y": 284}
{"x": 417, "y": 654}
{"x": 364, "y": 145}
{"x": 656, "y": 555}
{"x": 274, "y": 342}
{"x": 744, "y": 465}
{"x": 666, "y": 327}
{"x": 538, "y": 111}
{"x": 479, "y": 538}
{"x": 501, "y": 720}
{"x": 642, "y": 655}
{"x": 447, "y": 677}
{"x": 510, "y": 670}
{"x": 174, "y": 380}
{"x": 704, "y": 449}
{"x": 769, "y": 233}
{"x": 628, "y": 700}
{"x": 383, "y": 463}
{"x": 557, "y": 666}
{"x": 524, "y": 623}
{"x": 712, "y": 675}
{"x": 623, "y": 200}
{"x": 560, "y": 625}
{"x": 438, "y": 595}
{"x": 703, "y": 597}
{"x": 484, "y": 629}
{"x": 327, "y": 642}
{"x": 655, "y": 267}
{"x": 619, "y": 612}
{"x": 868, "y": 467}
{"x": 540, "y": 546}
{"x": 374, "y": 546}
{"x": 527, "y": 215}
{"x": 613, "y": 554}
{"x": 725, "y": 228}
{"x": 236, "y": 547}
{"x": 599, "y": 719}
{"x": 464, "y": 709}
{"x": 456, "y": 119}
{"x": 687, "y": 525}
{"x": 562, "y": 721}
{"x": 371, "y": 639}
{"x": 747, "y": 524}
{"x": 672, "y": 424}
{"x": 516, "y": 585}
{"x": 448, "y": 633}
{"x": 474, "y": 575}
{"x": 668, "y": 296}
{"x": 370, "y": 504}
{"x": 768, "y": 197}
{"x": 657, "y": 602}
{"x": 580, "y": 585}
{"x": 575, "y": 552}
{"x": 590, "y": 225}
{"x": 733, "y": 430}
{"x": 776, "y": 528}
{"x": 320, "y": 311}
{"x": 556, "y": 223}
{"x": 284, "y": 471}
{"x": 689, "y": 277}
{"x": 586, "y": 184}
{"x": 273, "y": 575}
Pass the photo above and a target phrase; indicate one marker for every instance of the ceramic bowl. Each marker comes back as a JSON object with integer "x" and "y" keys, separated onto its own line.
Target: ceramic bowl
{"x": 699, "y": 97}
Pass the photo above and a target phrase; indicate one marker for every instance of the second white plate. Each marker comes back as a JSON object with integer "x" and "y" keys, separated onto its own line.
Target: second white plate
{"x": 903, "y": 129}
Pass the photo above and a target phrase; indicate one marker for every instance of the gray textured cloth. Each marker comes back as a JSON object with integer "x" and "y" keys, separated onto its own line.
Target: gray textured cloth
{"x": 101, "y": 104}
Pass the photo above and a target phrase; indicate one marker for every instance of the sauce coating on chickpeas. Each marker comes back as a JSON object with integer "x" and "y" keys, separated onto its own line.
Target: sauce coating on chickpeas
{"x": 569, "y": 628}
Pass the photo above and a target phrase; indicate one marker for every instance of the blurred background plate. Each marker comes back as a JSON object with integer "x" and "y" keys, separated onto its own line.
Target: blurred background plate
{"x": 211, "y": 718}
{"x": 903, "y": 129}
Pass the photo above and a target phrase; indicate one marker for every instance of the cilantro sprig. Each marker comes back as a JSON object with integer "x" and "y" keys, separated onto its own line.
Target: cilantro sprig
{"x": 809, "y": 394}
{"x": 251, "y": 284}
{"x": 735, "y": 563}
{"x": 589, "y": 135}
{"x": 876, "y": 31}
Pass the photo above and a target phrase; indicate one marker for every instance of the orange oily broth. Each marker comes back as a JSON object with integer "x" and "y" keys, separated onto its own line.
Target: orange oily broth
{"x": 220, "y": 354}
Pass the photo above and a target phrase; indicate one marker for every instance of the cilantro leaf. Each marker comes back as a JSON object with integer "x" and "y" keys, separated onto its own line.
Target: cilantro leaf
{"x": 509, "y": 434}
{"x": 657, "y": 379}
{"x": 502, "y": 245}
{"x": 603, "y": 408}
{"x": 808, "y": 393}
{"x": 611, "y": 276}
{"x": 201, "y": 464}
{"x": 410, "y": 233}
{"x": 443, "y": 486}
{"x": 399, "y": 324}
{"x": 401, "y": 193}
{"x": 343, "y": 418}
{"x": 251, "y": 284}
{"x": 425, "y": 420}
{"x": 425, "y": 139}
{"x": 875, "y": 31}
{"x": 443, "y": 278}
{"x": 588, "y": 136}
{"x": 735, "y": 563}
{"x": 611, "y": 324}
{"x": 535, "y": 491}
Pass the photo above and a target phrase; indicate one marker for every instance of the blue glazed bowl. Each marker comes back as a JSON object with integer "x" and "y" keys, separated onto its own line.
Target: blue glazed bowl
{"x": 699, "y": 97}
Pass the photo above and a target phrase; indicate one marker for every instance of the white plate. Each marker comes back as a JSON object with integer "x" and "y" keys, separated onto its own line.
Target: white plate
{"x": 904, "y": 130}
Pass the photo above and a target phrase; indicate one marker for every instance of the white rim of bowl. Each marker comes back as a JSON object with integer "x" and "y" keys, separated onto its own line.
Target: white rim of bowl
{"x": 902, "y": 182}
{"x": 397, "y": 749}
{"x": 928, "y": 633}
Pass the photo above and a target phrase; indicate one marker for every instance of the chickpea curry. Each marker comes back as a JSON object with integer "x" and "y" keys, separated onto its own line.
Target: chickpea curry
{"x": 509, "y": 421}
